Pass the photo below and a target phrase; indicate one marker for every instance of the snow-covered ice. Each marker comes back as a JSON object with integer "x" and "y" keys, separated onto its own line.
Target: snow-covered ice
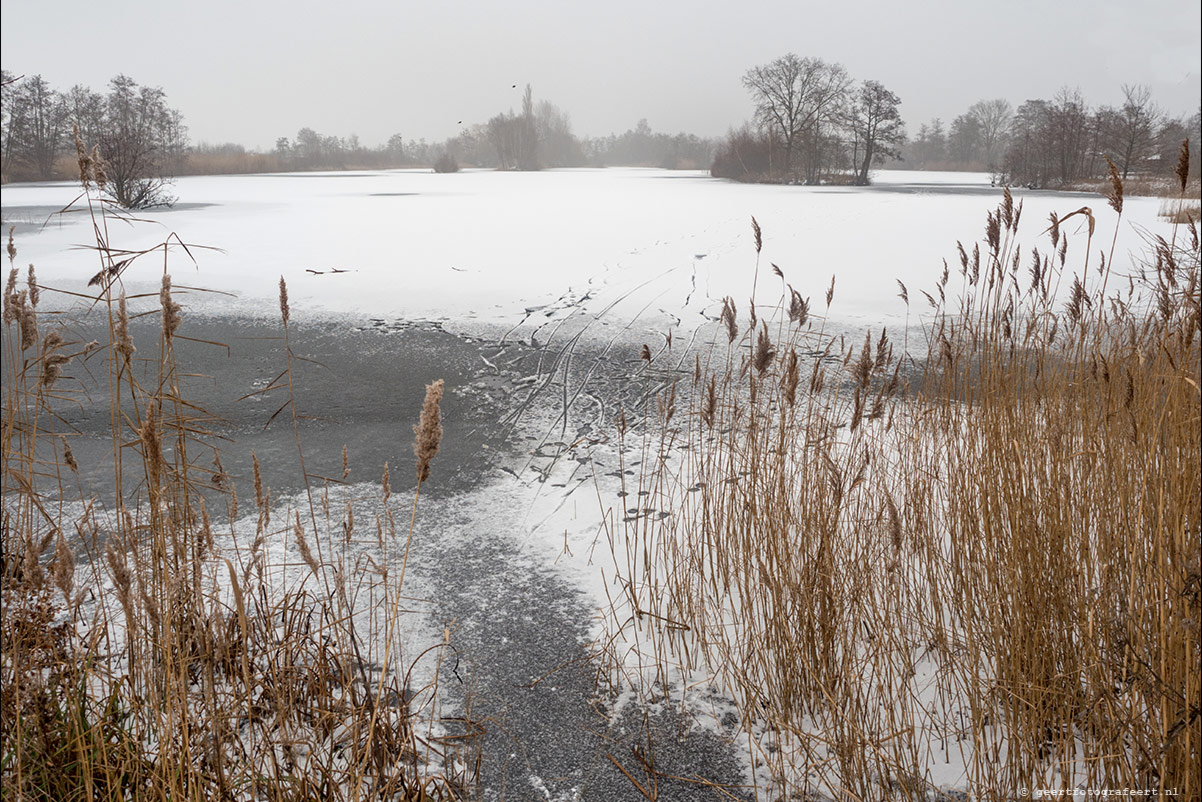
{"x": 481, "y": 249}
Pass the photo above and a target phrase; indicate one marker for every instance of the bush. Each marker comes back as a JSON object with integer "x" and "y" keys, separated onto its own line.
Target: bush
{"x": 745, "y": 156}
{"x": 446, "y": 164}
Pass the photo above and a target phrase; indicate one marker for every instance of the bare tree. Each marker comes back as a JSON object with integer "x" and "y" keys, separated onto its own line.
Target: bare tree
{"x": 136, "y": 142}
{"x": 993, "y": 118}
{"x": 877, "y": 126}
{"x": 13, "y": 115}
{"x": 85, "y": 111}
{"x": 1068, "y": 133}
{"x": 44, "y": 129}
{"x": 1131, "y": 134}
{"x": 795, "y": 100}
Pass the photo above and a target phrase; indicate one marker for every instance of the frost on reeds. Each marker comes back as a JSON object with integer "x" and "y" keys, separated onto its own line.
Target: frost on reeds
{"x": 149, "y": 653}
{"x": 971, "y": 566}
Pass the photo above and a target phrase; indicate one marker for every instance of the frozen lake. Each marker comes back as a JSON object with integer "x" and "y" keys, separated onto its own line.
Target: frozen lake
{"x": 508, "y": 552}
{"x": 482, "y": 249}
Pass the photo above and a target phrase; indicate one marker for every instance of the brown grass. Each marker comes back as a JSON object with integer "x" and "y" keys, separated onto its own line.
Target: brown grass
{"x": 984, "y": 552}
{"x": 208, "y": 669}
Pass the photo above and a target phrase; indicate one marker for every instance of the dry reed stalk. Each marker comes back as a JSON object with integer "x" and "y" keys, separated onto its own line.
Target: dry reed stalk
{"x": 986, "y": 527}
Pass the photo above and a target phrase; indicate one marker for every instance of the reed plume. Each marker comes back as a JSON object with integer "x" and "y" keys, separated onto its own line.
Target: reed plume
{"x": 285, "y": 310}
{"x": 428, "y": 430}
{"x": 171, "y": 309}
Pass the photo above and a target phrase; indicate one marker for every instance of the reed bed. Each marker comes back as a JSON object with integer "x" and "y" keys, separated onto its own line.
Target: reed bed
{"x": 161, "y": 642}
{"x": 966, "y": 565}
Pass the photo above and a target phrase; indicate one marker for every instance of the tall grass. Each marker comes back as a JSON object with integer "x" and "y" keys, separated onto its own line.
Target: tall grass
{"x": 156, "y": 642}
{"x": 974, "y": 566}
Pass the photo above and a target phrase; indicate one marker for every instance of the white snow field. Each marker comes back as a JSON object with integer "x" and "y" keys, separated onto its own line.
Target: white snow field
{"x": 608, "y": 254}
{"x": 481, "y": 248}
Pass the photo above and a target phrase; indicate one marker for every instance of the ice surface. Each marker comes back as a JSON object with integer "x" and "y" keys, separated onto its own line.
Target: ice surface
{"x": 487, "y": 249}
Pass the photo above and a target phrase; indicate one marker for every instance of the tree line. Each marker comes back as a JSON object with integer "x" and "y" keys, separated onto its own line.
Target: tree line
{"x": 537, "y": 136}
{"x": 812, "y": 124}
{"x": 142, "y": 140}
{"x": 145, "y": 143}
{"x": 1059, "y": 142}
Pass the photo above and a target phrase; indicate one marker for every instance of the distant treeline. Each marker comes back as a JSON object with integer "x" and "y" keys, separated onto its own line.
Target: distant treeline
{"x": 812, "y": 124}
{"x": 1057, "y": 143}
{"x": 537, "y": 137}
{"x": 37, "y": 142}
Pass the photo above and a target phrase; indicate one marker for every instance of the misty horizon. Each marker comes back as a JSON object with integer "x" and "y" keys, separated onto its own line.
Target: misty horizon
{"x": 251, "y": 76}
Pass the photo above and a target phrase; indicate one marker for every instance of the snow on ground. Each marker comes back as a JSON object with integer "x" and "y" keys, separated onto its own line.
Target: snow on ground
{"x": 481, "y": 249}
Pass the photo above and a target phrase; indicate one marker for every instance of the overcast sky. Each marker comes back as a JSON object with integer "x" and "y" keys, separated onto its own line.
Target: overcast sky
{"x": 249, "y": 72}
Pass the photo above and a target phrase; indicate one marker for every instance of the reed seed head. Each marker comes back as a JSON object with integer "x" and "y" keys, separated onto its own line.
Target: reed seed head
{"x": 799, "y": 308}
{"x": 764, "y": 351}
{"x": 84, "y": 159}
{"x": 428, "y": 430}
{"x": 895, "y": 530}
{"x": 386, "y": 483}
{"x": 993, "y": 231}
{"x": 759, "y": 237}
{"x": 69, "y": 456}
{"x": 792, "y": 377}
{"x": 728, "y": 318}
{"x": 124, "y": 343}
{"x": 862, "y": 371}
{"x": 151, "y": 448}
{"x": 1182, "y": 170}
{"x": 28, "y": 319}
{"x": 711, "y": 403}
{"x": 1115, "y": 194}
{"x": 171, "y": 309}
{"x": 10, "y": 296}
{"x": 31, "y": 280}
{"x": 62, "y": 570}
{"x": 285, "y": 311}
{"x": 303, "y": 546}
{"x": 98, "y": 174}
{"x": 12, "y": 249}
{"x": 52, "y": 360}
{"x": 118, "y": 569}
